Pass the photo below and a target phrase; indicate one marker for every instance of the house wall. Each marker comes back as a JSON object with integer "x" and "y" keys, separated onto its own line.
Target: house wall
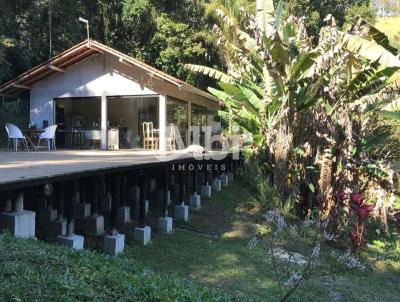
{"x": 99, "y": 75}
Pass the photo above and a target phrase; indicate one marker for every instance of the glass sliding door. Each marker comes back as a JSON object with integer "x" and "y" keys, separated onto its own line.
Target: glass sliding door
{"x": 199, "y": 121}
{"x": 177, "y": 115}
{"x": 127, "y": 114}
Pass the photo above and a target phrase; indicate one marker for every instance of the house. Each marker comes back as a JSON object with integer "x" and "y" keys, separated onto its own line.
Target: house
{"x": 102, "y": 98}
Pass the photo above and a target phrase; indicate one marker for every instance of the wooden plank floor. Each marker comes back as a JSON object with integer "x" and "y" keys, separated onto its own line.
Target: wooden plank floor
{"x": 27, "y": 166}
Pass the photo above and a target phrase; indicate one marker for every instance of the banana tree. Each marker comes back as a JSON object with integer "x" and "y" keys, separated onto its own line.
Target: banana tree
{"x": 290, "y": 93}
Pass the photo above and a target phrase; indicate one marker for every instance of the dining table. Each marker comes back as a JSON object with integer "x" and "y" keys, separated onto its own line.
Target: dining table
{"x": 32, "y": 136}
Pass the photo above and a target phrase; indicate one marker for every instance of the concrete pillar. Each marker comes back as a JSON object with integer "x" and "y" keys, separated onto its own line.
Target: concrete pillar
{"x": 224, "y": 180}
{"x": 75, "y": 241}
{"x": 216, "y": 185}
{"x": 165, "y": 222}
{"x": 206, "y": 191}
{"x": 124, "y": 215}
{"x": 230, "y": 177}
{"x": 114, "y": 244}
{"x": 57, "y": 227}
{"x": 83, "y": 210}
{"x": 142, "y": 235}
{"x": 19, "y": 223}
{"x": 195, "y": 201}
{"x": 71, "y": 239}
{"x": 165, "y": 225}
{"x": 94, "y": 225}
{"x": 182, "y": 212}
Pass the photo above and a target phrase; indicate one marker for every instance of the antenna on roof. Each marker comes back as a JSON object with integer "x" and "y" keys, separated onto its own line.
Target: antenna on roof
{"x": 50, "y": 32}
{"x": 87, "y": 26}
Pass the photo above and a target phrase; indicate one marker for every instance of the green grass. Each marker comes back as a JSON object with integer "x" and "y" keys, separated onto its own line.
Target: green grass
{"x": 206, "y": 259}
{"x": 391, "y": 27}
{"x": 212, "y": 250}
{"x": 36, "y": 271}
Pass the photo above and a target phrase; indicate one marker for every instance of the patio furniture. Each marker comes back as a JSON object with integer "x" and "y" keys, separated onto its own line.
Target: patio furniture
{"x": 32, "y": 136}
{"x": 49, "y": 135}
{"x": 15, "y": 134}
{"x": 150, "y": 141}
{"x": 171, "y": 138}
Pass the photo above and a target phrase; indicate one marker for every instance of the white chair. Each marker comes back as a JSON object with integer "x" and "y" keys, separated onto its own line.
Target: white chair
{"x": 49, "y": 135}
{"x": 15, "y": 134}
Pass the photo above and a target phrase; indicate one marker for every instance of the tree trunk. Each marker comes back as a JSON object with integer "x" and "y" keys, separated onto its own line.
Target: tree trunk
{"x": 282, "y": 148}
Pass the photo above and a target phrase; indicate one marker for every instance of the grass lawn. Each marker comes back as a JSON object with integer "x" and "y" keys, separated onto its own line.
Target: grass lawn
{"x": 390, "y": 26}
{"x": 205, "y": 260}
{"x": 212, "y": 250}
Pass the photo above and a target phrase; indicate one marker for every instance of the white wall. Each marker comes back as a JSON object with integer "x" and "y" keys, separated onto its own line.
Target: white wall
{"x": 88, "y": 78}
{"x": 99, "y": 75}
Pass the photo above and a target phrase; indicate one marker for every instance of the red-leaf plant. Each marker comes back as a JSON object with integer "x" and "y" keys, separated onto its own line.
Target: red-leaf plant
{"x": 361, "y": 211}
{"x": 397, "y": 219}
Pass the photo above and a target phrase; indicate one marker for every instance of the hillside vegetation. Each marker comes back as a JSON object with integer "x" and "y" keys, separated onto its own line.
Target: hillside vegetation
{"x": 391, "y": 27}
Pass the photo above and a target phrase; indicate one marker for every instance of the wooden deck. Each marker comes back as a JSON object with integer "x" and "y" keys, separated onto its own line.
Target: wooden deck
{"x": 22, "y": 169}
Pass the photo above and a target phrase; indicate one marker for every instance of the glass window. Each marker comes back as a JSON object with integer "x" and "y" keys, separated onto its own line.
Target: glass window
{"x": 177, "y": 114}
{"x": 129, "y": 114}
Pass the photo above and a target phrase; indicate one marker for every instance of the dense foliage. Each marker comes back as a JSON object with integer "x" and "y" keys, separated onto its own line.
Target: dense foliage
{"x": 165, "y": 34}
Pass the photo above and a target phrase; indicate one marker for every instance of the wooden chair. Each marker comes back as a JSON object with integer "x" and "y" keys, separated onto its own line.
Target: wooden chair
{"x": 149, "y": 141}
{"x": 171, "y": 138}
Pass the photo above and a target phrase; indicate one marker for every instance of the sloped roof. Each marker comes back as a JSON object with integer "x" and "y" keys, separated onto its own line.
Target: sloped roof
{"x": 79, "y": 52}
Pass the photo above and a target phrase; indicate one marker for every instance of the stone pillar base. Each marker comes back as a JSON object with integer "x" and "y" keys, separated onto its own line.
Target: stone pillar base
{"x": 57, "y": 228}
{"x": 165, "y": 225}
{"x": 182, "y": 212}
{"x": 206, "y": 191}
{"x": 19, "y": 224}
{"x": 114, "y": 245}
{"x": 224, "y": 180}
{"x": 142, "y": 235}
{"x": 195, "y": 201}
{"x": 74, "y": 241}
{"x": 124, "y": 215}
{"x": 83, "y": 210}
{"x": 94, "y": 225}
{"x": 216, "y": 185}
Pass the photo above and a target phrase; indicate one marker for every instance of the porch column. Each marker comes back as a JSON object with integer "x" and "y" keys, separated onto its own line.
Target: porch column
{"x": 162, "y": 121}
{"x": 189, "y": 125}
{"x": 104, "y": 117}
